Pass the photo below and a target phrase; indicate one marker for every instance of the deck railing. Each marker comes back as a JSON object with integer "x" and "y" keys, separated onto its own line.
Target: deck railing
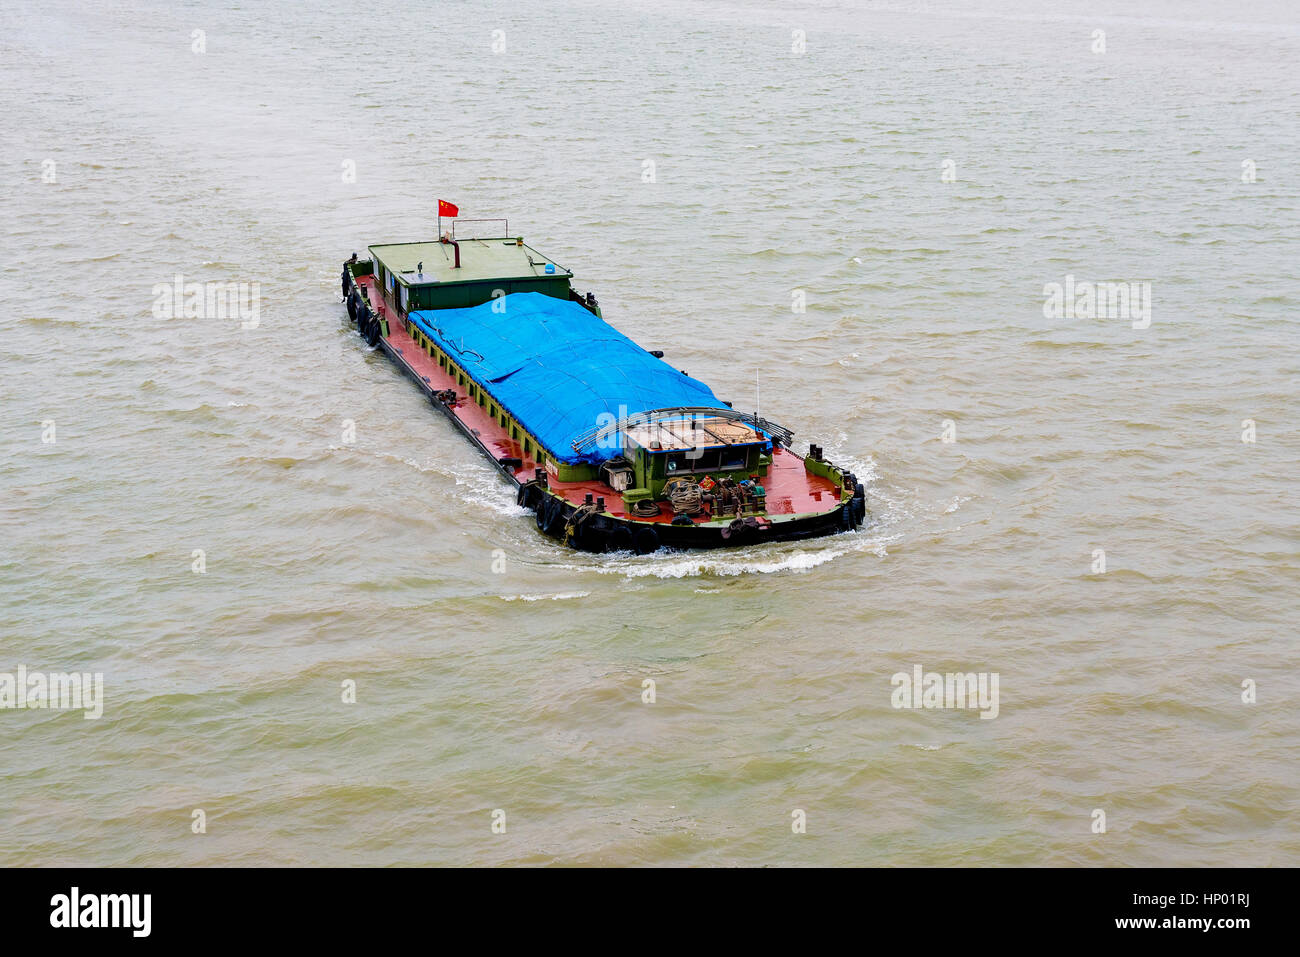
{"x": 462, "y": 229}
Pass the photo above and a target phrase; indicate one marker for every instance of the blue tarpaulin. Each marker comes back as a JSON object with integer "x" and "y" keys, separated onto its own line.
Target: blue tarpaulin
{"x": 557, "y": 368}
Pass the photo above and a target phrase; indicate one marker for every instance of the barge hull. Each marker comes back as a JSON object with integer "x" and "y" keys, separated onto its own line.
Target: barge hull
{"x": 558, "y": 508}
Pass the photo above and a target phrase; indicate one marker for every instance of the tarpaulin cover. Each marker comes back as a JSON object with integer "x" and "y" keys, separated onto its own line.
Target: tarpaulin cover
{"x": 556, "y": 367}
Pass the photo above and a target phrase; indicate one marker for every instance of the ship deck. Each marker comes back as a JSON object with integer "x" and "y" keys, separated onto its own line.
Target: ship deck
{"x": 791, "y": 489}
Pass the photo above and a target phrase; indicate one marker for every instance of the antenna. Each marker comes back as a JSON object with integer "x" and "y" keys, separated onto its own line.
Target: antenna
{"x": 757, "y": 407}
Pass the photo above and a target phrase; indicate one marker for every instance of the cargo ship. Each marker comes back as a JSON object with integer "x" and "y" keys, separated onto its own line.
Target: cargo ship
{"x": 607, "y": 444}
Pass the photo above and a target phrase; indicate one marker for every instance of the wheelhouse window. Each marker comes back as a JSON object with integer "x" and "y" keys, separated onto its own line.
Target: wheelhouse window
{"x": 733, "y": 458}
{"x": 697, "y": 460}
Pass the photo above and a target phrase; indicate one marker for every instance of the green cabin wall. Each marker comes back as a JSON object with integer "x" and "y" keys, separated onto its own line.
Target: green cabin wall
{"x": 465, "y": 295}
{"x": 651, "y": 469}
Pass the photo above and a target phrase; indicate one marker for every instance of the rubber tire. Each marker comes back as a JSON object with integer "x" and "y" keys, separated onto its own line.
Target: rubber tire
{"x": 620, "y": 539}
{"x": 555, "y": 518}
{"x": 645, "y": 541}
{"x": 373, "y": 332}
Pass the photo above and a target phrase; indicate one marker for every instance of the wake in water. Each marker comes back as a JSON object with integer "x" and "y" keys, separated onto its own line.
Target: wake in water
{"x": 757, "y": 560}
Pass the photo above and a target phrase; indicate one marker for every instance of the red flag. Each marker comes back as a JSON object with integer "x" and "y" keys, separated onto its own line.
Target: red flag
{"x": 447, "y": 209}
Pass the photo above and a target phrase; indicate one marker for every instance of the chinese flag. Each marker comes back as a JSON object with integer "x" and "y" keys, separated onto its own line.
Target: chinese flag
{"x": 447, "y": 209}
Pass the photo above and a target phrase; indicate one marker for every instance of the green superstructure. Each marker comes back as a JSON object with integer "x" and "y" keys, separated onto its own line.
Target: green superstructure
{"x": 457, "y": 274}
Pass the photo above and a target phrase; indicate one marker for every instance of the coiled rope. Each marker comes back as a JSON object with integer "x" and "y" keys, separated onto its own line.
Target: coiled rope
{"x": 686, "y": 498}
{"x": 576, "y": 520}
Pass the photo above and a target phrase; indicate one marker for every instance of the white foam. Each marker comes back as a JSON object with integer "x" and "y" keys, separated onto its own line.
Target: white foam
{"x": 562, "y": 596}
{"x": 743, "y": 561}
{"x": 484, "y": 488}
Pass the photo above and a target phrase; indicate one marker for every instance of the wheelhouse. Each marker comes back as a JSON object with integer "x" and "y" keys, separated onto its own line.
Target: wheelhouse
{"x": 694, "y": 447}
{"x": 459, "y": 273}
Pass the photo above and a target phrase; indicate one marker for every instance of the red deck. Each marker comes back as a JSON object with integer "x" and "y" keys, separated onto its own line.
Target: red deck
{"x": 791, "y": 489}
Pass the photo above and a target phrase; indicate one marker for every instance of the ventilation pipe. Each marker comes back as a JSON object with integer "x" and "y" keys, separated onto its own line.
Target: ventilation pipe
{"x": 446, "y": 238}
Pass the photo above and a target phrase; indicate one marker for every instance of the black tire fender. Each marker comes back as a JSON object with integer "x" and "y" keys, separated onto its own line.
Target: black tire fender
{"x": 620, "y": 539}
{"x": 555, "y": 518}
{"x": 645, "y": 540}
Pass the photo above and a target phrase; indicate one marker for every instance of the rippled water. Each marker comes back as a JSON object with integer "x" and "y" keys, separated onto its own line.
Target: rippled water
{"x": 371, "y": 559}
